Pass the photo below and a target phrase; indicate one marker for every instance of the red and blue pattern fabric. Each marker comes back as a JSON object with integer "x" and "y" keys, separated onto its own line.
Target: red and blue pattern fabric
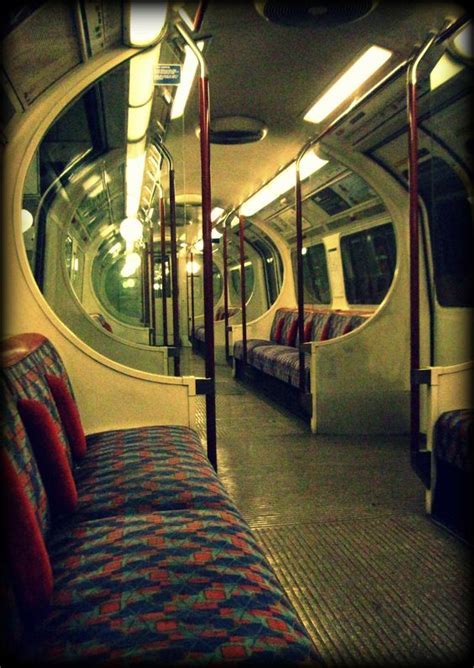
{"x": 144, "y": 470}
{"x": 453, "y": 438}
{"x": 166, "y": 589}
{"x": 238, "y": 352}
{"x": 19, "y": 451}
{"x": 26, "y": 379}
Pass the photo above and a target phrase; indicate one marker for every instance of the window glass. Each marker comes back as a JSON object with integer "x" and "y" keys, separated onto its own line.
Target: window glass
{"x": 315, "y": 275}
{"x": 368, "y": 259}
{"x": 450, "y": 223}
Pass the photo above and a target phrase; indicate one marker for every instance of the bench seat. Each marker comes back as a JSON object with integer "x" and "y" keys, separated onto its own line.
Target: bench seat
{"x": 278, "y": 356}
{"x": 453, "y": 438}
{"x": 166, "y": 588}
{"x": 146, "y": 469}
{"x": 144, "y": 558}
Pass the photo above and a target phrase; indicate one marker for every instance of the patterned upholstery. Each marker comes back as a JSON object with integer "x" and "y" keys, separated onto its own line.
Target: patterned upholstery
{"x": 251, "y": 345}
{"x": 145, "y": 470}
{"x": 19, "y": 451}
{"x": 278, "y": 356}
{"x": 168, "y": 589}
{"x": 453, "y": 439}
{"x": 156, "y": 565}
{"x": 26, "y": 380}
{"x": 200, "y": 332}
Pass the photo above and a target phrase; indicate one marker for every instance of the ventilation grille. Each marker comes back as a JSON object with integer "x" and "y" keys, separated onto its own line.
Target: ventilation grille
{"x": 314, "y": 14}
{"x": 236, "y": 130}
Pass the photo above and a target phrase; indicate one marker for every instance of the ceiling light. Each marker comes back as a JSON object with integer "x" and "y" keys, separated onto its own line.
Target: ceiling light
{"x": 462, "y": 43}
{"x": 282, "y": 182}
{"x": 134, "y": 176}
{"x": 144, "y": 22}
{"x": 26, "y": 220}
{"x": 131, "y": 229}
{"x": 446, "y": 68}
{"x": 192, "y": 268}
{"x": 188, "y": 72}
{"x": 132, "y": 263}
{"x": 370, "y": 61}
{"x": 216, "y": 213}
{"x": 141, "y": 77}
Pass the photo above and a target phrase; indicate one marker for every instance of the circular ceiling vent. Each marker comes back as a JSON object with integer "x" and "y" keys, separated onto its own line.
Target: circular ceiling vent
{"x": 235, "y": 130}
{"x": 313, "y": 14}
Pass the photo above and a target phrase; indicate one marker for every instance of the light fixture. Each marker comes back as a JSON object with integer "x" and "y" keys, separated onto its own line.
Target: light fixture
{"x": 138, "y": 120}
{"x": 216, "y": 213}
{"x": 134, "y": 176}
{"x": 144, "y": 22}
{"x": 462, "y": 43}
{"x": 215, "y": 234}
{"x": 132, "y": 263}
{"x": 131, "y": 229}
{"x": 188, "y": 72}
{"x": 26, "y": 220}
{"x": 446, "y": 68}
{"x": 235, "y": 221}
{"x": 129, "y": 283}
{"x": 192, "y": 268}
{"x": 363, "y": 68}
{"x": 282, "y": 182}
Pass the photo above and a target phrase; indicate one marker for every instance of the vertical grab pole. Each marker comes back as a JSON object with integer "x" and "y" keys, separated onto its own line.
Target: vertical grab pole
{"x": 193, "y": 326}
{"x": 150, "y": 281}
{"x": 174, "y": 257}
{"x": 164, "y": 280}
{"x": 414, "y": 253}
{"x": 207, "y": 253}
{"x": 243, "y": 289}
{"x": 299, "y": 273}
{"x": 226, "y": 289}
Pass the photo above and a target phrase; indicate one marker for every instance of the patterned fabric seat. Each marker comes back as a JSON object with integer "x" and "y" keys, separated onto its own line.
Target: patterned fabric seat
{"x": 151, "y": 561}
{"x": 453, "y": 439}
{"x": 279, "y": 357}
{"x": 166, "y": 588}
{"x": 282, "y": 362}
{"x": 200, "y": 331}
{"x": 145, "y": 470}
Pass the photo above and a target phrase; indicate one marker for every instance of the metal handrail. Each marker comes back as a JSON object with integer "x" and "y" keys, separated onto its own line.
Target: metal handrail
{"x": 204, "y": 139}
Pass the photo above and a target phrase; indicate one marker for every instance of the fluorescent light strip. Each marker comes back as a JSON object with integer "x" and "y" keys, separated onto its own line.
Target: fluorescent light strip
{"x": 188, "y": 72}
{"x": 348, "y": 83}
{"x": 282, "y": 182}
{"x": 146, "y": 21}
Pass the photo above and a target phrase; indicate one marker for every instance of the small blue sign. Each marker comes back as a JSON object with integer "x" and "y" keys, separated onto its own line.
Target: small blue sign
{"x": 167, "y": 74}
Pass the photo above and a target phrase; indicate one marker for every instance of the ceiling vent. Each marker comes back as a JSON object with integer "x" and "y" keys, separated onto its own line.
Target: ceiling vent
{"x": 307, "y": 14}
{"x": 235, "y": 130}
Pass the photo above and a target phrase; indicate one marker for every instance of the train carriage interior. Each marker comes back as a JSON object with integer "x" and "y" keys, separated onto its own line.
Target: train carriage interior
{"x": 237, "y": 252}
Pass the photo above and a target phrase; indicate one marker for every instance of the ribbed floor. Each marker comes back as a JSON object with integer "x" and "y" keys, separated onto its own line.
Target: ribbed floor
{"x": 341, "y": 519}
{"x": 368, "y": 591}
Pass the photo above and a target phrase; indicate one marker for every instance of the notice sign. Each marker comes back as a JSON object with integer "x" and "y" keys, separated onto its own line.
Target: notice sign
{"x": 167, "y": 75}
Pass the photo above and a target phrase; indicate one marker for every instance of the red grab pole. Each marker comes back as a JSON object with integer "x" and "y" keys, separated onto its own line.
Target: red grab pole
{"x": 205, "y": 146}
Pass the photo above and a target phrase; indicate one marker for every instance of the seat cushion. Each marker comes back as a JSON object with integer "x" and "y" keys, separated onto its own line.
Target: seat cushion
{"x": 169, "y": 588}
{"x": 200, "y": 333}
{"x": 453, "y": 438}
{"x": 146, "y": 469}
{"x": 69, "y": 414}
{"x": 50, "y": 455}
{"x": 281, "y": 362}
{"x": 238, "y": 352}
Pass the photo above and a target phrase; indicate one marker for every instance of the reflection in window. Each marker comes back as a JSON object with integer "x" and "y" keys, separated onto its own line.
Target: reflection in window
{"x": 315, "y": 275}
{"x": 249, "y": 279}
{"x": 368, "y": 259}
{"x": 450, "y": 222}
{"x": 272, "y": 268}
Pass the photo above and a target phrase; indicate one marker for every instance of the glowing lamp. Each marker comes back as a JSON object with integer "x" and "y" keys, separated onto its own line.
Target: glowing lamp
{"x": 131, "y": 229}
